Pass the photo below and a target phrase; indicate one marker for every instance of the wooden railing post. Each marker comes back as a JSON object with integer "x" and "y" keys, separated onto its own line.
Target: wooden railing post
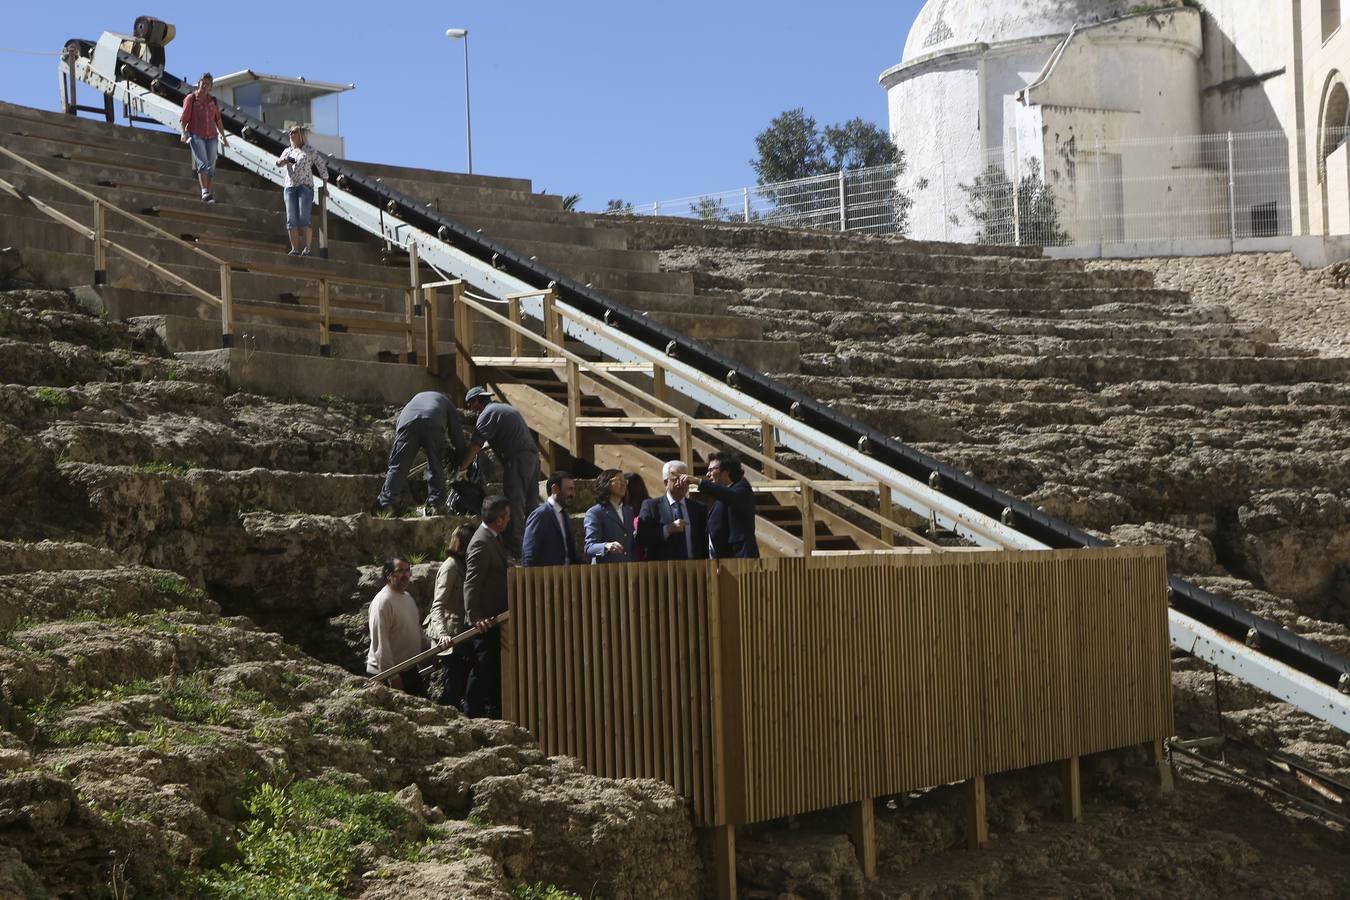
{"x": 1073, "y": 790}
{"x": 977, "y": 816}
{"x": 100, "y": 246}
{"x": 325, "y": 316}
{"x": 862, "y": 830}
{"x": 463, "y": 319}
{"x": 412, "y": 302}
{"x": 887, "y": 509}
{"x": 552, "y": 321}
{"x": 808, "y": 519}
{"x": 686, "y": 441}
{"x": 769, "y": 447}
{"x": 432, "y": 331}
{"x": 573, "y": 406}
{"x": 323, "y": 221}
{"x": 517, "y": 339}
{"x": 226, "y": 307}
{"x": 659, "y": 389}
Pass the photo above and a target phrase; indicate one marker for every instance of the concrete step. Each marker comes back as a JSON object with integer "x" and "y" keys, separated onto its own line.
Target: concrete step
{"x": 254, "y": 333}
{"x": 902, "y": 256}
{"x": 603, "y": 279}
{"x": 653, "y": 302}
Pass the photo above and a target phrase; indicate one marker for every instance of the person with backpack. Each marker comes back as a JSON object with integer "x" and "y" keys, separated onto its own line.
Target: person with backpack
{"x": 202, "y": 128}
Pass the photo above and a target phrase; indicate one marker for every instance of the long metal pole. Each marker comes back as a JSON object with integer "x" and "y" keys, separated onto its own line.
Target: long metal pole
{"x": 468, "y": 116}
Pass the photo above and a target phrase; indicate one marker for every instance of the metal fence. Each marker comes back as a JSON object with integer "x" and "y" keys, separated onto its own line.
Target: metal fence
{"x": 1219, "y": 186}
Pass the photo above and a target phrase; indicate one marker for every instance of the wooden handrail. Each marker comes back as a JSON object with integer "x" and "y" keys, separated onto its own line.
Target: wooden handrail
{"x": 660, "y": 365}
{"x": 810, "y": 486}
{"x": 89, "y": 195}
{"x": 435, "y": 651}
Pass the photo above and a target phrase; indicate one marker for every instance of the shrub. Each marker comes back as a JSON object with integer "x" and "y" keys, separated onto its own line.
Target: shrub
{"x": 302, "y": 841}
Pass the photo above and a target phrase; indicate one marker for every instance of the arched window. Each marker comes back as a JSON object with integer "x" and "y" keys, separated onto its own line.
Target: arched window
{"x": 1334, "y": 115}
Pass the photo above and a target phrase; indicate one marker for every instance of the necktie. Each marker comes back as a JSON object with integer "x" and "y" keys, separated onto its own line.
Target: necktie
{"x": 688, "y": 539}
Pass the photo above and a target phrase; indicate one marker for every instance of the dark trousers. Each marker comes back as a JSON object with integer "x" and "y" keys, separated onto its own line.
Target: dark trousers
{"x": 413, "y": 683}
{"x": 484, "y": 693}
{"x": 454, "y": 677}
{"x": 419, "y": 434}
{"x": 520, "y": 484}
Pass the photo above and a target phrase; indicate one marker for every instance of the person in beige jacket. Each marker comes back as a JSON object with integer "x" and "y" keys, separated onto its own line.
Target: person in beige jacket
{"x": 446, "y": 619}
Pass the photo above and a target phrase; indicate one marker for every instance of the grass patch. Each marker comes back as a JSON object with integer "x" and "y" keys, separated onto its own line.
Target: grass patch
{"x": 163, "y": 468}
{"x": 54, "y": 398}
{"x": 191, "y": 701}
{"x": 541, "y": 891}
{"x": 302, "y": 840}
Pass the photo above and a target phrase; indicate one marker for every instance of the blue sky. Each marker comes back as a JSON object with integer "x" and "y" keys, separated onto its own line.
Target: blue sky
{"x": 605, "y": 99}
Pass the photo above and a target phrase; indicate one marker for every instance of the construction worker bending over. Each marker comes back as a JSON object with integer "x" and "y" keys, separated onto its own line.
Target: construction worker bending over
{"x": 423, "y": 425}
{"x": 503, "y": 429}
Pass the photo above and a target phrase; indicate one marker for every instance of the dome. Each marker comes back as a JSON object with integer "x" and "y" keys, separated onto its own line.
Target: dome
{"x": 953, "y": 23}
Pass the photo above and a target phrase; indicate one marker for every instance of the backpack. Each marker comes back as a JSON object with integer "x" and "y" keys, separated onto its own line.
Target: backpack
{"x": 465, "y": 497}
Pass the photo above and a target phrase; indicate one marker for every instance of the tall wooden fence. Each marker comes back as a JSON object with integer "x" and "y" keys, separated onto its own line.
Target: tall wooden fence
{"x": 764, "y": 688}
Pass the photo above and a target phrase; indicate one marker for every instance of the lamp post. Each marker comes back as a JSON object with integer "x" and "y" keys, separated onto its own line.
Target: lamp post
{"x": 456, "y": 34}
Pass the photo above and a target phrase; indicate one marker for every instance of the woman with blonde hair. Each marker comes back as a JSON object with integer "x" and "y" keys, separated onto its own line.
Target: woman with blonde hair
{"x": 446, "y": 619}
{"x": 300, "y": 160}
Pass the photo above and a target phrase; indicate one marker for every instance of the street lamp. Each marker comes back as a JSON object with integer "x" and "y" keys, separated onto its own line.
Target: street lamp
{"x": 456, "y": 34}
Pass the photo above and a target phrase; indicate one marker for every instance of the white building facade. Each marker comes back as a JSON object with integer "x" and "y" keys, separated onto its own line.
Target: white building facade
{"x": 1110, "y": 106}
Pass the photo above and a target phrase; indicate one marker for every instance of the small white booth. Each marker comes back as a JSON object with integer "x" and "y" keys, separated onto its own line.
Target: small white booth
{"x": 282, "y": 102}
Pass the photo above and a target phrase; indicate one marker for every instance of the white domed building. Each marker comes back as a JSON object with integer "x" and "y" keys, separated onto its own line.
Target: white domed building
{"x": 1107, "y": 98}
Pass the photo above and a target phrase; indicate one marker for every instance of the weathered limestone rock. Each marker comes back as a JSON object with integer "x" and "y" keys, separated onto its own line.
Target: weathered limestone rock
{"x": 616, "y": 838}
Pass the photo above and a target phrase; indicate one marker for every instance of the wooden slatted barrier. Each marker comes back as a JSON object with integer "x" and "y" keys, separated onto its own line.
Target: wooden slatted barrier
{"x": 767, "y": 688}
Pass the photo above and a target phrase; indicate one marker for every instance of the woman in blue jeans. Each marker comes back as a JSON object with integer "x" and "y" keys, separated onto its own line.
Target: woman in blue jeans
{"x": 300, "y": 160}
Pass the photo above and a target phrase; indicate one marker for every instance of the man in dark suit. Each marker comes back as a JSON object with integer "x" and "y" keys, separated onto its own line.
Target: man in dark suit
{"x": 548, "y": 537}
{"x": 485, "y": 566}
{"x": 731, "y": 523}
{"x": 672, "y": 526}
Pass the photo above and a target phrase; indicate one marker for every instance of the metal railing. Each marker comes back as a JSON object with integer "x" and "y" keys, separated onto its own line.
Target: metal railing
{"x": 1230, "y": 186}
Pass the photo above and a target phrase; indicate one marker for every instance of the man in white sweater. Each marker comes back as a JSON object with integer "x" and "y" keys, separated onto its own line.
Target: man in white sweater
{"x": 396, "y": 628}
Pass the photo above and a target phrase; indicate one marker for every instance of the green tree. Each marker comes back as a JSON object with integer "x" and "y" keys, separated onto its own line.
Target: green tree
{"x": 1034, "y": 219}
{"x": 794, "y": 147}
{"x": 859, "y": 144}
{"x": 791, "y": 147}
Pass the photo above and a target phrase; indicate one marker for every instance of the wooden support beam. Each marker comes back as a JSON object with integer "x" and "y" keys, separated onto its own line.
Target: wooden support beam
{"x": 553, "y": 330}
{"x": 660, "y": 422}
{"x": 432, "y": 331}
{"x": 226, "y": 307}
{"x": 325, "y": 319}
{"x": 724, "y": 861}
{"x": 1157, "y": 753}
{"x": 686, "y": 442}
{"x": 862, "y": 830}
{"x": 769, "y": 447}
{"x": 887, "y": 508}
{"x": 412, "y": 299}
{"x": 463, "y": 319}
{"x": 100, "y": 245}
{"x": 977, "y": 814}
{"x": 574, "y": 409}
{"x": 659, "y": 389}
{"x": 808, "y": 509}
{"x": 517, "y": 339}
{"x": 1073, "y": 789}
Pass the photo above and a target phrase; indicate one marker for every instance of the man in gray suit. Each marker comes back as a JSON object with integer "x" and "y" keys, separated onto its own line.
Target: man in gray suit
{"x": 503, "y": 428}
{"x": 485, "y": 568}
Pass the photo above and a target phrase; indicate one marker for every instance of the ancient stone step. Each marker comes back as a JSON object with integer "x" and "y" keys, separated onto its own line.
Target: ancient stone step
{"x": 51, "y": 556}
{"x": 951, "y": 296}
{"x": 1003, "y": 280}
{"x": 1118, "y": 369}
{"x": 104, "y": 593}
